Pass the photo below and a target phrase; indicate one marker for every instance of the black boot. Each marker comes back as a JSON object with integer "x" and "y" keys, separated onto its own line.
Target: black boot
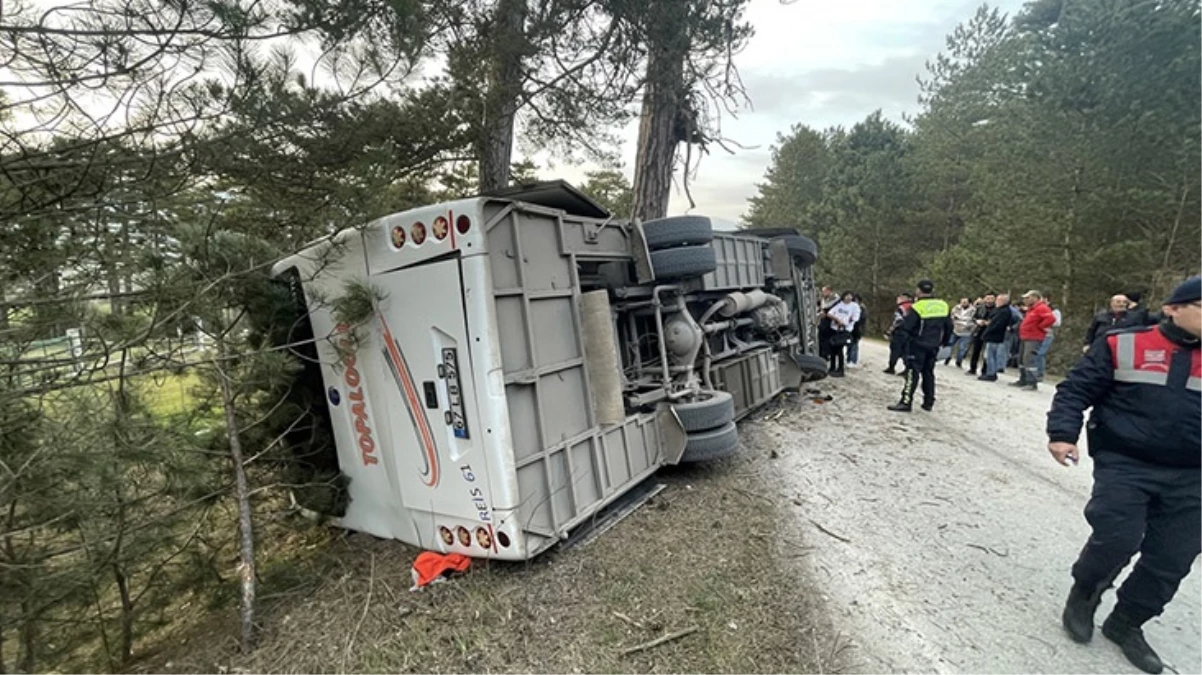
{"x": 1120, "y": 629}
{"x": 900, "y": 407}
{"x": 890, "y": 371}
{"x": 1079, "y": 611}
{"x": 928, "y": 406}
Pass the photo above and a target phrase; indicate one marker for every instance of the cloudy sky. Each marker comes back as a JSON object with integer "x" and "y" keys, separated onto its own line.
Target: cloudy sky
{"x": 816, "y": 62}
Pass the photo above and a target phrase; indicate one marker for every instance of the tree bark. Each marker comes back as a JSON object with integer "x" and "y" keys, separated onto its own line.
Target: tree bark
{"x": 668, "y": 45}
{"x": 27, "y": 659}
{"x": 494, "y": 145}
{"x": 127, "y": 615}
{"x": 246, "y": 540}
{"x": 1070, "y": 240}
{"x": 1166, "y": 269}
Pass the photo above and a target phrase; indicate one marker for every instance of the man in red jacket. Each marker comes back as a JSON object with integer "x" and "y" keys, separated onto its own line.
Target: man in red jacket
{"x": 1034, "y": 328}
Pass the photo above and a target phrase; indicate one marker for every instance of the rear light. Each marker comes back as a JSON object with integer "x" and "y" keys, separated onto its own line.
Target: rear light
{"x": 444, "y": 533}
{"x": 463, "y": 224}
{"x": 440, "y": 228}
{"x": 398, "y": 237}
{"x": 483, "y": 538}
{"x": 465, "y": 537}
{"x": 503, "y": 539}
{"x": 418, "y": 234}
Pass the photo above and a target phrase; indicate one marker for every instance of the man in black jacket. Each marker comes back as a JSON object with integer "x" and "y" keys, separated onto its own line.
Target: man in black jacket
{"x": 983, "y": 314}
{"x": 1115, "y": 318}
{"x": 926, "y": 328}
{"x": 897, "y": 341}
{"x": 1145, "y": 387}
{"x": 993, "y": 335}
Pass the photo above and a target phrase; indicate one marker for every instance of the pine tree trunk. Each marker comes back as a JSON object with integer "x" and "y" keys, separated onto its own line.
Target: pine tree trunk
{"x": 246, "y": 540}
{"x": 656, "y": 156}
{"x": 127, "y": 616}
{"x": 494, "y": 146}
{"x": 27, "y": 658}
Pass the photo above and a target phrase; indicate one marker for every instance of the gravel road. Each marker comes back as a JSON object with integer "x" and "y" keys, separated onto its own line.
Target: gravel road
{"x": 960, "y": 529}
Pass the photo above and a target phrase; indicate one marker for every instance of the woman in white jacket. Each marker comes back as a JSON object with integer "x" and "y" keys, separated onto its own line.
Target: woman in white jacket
{"x": 843, "y": 316}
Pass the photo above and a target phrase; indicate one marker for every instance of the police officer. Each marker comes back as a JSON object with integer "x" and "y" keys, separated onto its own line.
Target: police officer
{"x": 926, "y": 327}
{"x": 1144, "y": 387}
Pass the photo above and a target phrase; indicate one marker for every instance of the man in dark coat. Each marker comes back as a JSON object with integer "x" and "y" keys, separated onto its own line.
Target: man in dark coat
{"x": 926, "y": 328}
{"x": 896, "y": 338}
{"x": 1114, "y": 318}
{"x": 984, "y": 311}
{"x": 1145, "y": 436}
{"x": 994, "y": 337}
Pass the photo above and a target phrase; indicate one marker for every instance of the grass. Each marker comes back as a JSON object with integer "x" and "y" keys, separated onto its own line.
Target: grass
{"x": 706, "y": 553}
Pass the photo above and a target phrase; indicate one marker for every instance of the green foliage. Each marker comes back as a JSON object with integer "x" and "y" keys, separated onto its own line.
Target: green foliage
{"x": 792, "y": 191}
{"x": 357, "y": 304}
{"x": 609, "y": 188}
{"x": 1058, "y": 150}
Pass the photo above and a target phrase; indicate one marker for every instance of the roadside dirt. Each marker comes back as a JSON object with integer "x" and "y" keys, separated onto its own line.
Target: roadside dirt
{"x": 942, "y": 542}
{"x": 711, "y": 554}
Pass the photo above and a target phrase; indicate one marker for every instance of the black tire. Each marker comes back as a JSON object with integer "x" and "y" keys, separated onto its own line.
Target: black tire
{"x": 683, "y": 263}
{"x": 705, "y": 446}
{"x": 711, "y": 410}
{"x": 677, "y": 231}
{"x": 812, "y": 367}
{"x": 802, "y": 248}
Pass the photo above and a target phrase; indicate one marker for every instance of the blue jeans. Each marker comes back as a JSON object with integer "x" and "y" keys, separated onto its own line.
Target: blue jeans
{"x": 1041, "y": 356}
{"x": 1012, "y": 342}
{"x": 853, "y": 351}
{"x": 995, "y": 358}
{"x": 960, "y": 346}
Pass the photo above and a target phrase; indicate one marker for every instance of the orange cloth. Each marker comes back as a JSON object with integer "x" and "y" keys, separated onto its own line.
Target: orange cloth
{"x": 430, "y": 566}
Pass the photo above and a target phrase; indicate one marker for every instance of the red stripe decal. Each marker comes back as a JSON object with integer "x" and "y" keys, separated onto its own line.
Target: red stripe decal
{"x": 414, "y": 404}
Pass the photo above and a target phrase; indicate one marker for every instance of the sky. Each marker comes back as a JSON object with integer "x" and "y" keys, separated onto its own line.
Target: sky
{"x": 815, "y": 62}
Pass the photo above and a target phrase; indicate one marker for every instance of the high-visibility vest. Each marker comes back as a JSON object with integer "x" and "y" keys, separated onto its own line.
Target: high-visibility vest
{"x": 1145, "y": 357}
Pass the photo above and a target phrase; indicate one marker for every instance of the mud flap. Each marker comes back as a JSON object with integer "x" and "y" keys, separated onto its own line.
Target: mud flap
{"x": 791, "y": 376}
{"x": 797, "y": 366}
{"x": 672, "y": 436}
{"x": 642, "y": 254}
{"x": 782, "y": 261}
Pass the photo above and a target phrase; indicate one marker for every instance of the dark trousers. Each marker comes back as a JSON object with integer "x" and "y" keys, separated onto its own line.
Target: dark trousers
{"x": 837, "y": 357}
{"x": 896, "y": 353}
{"x": 824, "y": 339}
{"x": 1027, "y": 362}
{"x": 920, "y": 363}
{"x": 1146, "y": 508}
{"x": 977, "y": 346}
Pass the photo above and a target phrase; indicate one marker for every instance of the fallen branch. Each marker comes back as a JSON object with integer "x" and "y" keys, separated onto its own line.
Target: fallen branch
{"x": 989, "y": 549}
{"x": 629, "y": 620}
{"x": 829, "y": 533}
{"x": 661, "y": 640}
{"x": 749, "y": 493}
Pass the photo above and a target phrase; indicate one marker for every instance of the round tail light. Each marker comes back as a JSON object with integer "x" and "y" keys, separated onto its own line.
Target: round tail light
{"x": 463, "y": 224}
{"x": 417, "y": 233}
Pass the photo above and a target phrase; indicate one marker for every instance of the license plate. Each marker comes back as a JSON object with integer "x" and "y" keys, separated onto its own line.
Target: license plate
{"x": 455, "y": 416}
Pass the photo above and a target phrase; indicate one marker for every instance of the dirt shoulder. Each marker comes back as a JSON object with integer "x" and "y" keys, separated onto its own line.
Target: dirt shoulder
{"x": 960, "y": 530}
{"x": 711, "y": 552}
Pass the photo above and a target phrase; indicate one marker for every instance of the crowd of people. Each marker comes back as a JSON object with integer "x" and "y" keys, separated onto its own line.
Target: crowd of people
{"x": 990, "y": 333}
{"x": 1141, "y": 381}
